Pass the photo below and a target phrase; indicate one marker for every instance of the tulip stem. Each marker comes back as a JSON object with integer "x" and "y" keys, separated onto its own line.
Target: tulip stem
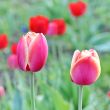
{"x": 80, "y": 97}
{"x": 32, "y": 92}
{"x": 0, "y": 105}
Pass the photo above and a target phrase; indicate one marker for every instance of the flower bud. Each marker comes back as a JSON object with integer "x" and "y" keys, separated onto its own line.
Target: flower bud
{"x": 14, "y": 48}
{"x": 12, "y": 61}
{"x": 85, "y": 67}
{"x": 3, "y": 41}
{"x": 78, "y": 8}
{"x": 52, "y": 29}
{"x": 39, "y": 24}
{"x": 2, "y": 91}
{"x": 32, "y": 52}
{"x": 61, "y": 26}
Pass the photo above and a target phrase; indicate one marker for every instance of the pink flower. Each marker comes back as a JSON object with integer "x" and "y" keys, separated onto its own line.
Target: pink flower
{"x": 2, "y": 91}
{"x": 85, "y": 67}
{"x": 32, "y": 52}
{"x": 61, "y": 26}
{"x": 108, "y": 94}
{"x": 12, "y": 61}
{"x": 52, "y": 29}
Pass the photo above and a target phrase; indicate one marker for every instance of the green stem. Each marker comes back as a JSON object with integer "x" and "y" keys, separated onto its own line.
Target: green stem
{"x": 80, "y": 97}
{"x": 0, "y": 104}
{"x": 77, "y": 30}
{"x": 32, "y": 92}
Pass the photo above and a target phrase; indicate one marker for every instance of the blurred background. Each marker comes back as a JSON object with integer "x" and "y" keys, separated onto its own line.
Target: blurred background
{"x": 53, "y": 87}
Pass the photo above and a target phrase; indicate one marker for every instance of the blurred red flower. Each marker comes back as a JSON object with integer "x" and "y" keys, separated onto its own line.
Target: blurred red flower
{"x": 61, "y": 26}
{"x": 78, "y": 8}
{"x": 2, "y": 91}
{"x": 14, "y": 48}
{"x": 12, "y": 61}
{"x": 39, "y": 24}
{"x": 108, "y": 94}
{"x": 52, "y": 29}
{"x": 3, "y": 41}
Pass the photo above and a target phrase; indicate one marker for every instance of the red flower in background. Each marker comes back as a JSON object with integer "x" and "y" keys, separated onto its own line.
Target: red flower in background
{"x": 3, "y": 41}
{"x": 52, "y": 29}
{"x": 2, "y": 91}
{"x": 12, "y": 61}
{"x": 14, "y": 48}
{"x": 108, "y": 94}
{"x": 39, "y": 24}
{"x": 78, "y": 8}
{"x": 61, "y": 26}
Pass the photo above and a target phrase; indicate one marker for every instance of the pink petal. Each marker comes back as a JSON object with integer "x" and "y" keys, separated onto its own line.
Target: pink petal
{"x": 38, "y": 52}
{"x": 52, "y": 29}
{"x": 21, "y": 53}
{"x": 75, "y": 57}
{"x": 2, "y": 91}
{"x": 85, "y": 71}
{"x": 94, "y": 53}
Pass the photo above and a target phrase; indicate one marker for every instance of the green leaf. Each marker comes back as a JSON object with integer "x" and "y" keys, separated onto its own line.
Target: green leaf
{"x": 100, "y": 38}
{"x": 17, "y": 101}
{"x": 59, "y": 102}
{"x": 101, "y": 42}
{"x": 57, "y": 99}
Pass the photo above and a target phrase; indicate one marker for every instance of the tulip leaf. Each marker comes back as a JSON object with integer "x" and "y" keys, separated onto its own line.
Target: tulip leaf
{"x": 57, "y": 99}
{"x": 17, "y": 101}
{"x": 101, "y": 41}
{"x": 100, "y": 38}
{"x": 59, "y": 102}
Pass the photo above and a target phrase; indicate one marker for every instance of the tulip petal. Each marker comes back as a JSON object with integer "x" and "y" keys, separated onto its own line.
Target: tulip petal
{"x": 21, "y": 53}
{"x": 2, "y": 91}
{"x": 38, "y": 52}
{"x": 85, "y": 71}
{"x": 75, "y": 57}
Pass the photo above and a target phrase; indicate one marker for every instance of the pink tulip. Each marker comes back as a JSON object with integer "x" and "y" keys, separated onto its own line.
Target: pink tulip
{"x": 52, "y": 29}
{"x": 2, "y": 91}
{"x": 32, "y": 52}
{"x": 12, "y": 61}
{"x": 85, "y": 67}
{"x": 108, "y": 94}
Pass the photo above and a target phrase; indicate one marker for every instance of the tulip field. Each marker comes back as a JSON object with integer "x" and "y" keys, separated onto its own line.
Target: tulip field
{"x": 54, "y": 55}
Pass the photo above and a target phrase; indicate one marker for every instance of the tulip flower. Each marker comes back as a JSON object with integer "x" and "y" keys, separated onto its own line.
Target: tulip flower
{"x": 2, "y": 91}
{"x": 85, "y": 69}
{"x": 39, "y": 24}
{"x": 61, "y": 26}
{"x": 12, "y": 61}
{"x": 52, "y": 29}
{"x": 78, "y": 8}
{"x": 108, "y": 94}
{"x": 3, "y": 41}
{"x": 14, "y": 48}
{"x": 32, "y": 52}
